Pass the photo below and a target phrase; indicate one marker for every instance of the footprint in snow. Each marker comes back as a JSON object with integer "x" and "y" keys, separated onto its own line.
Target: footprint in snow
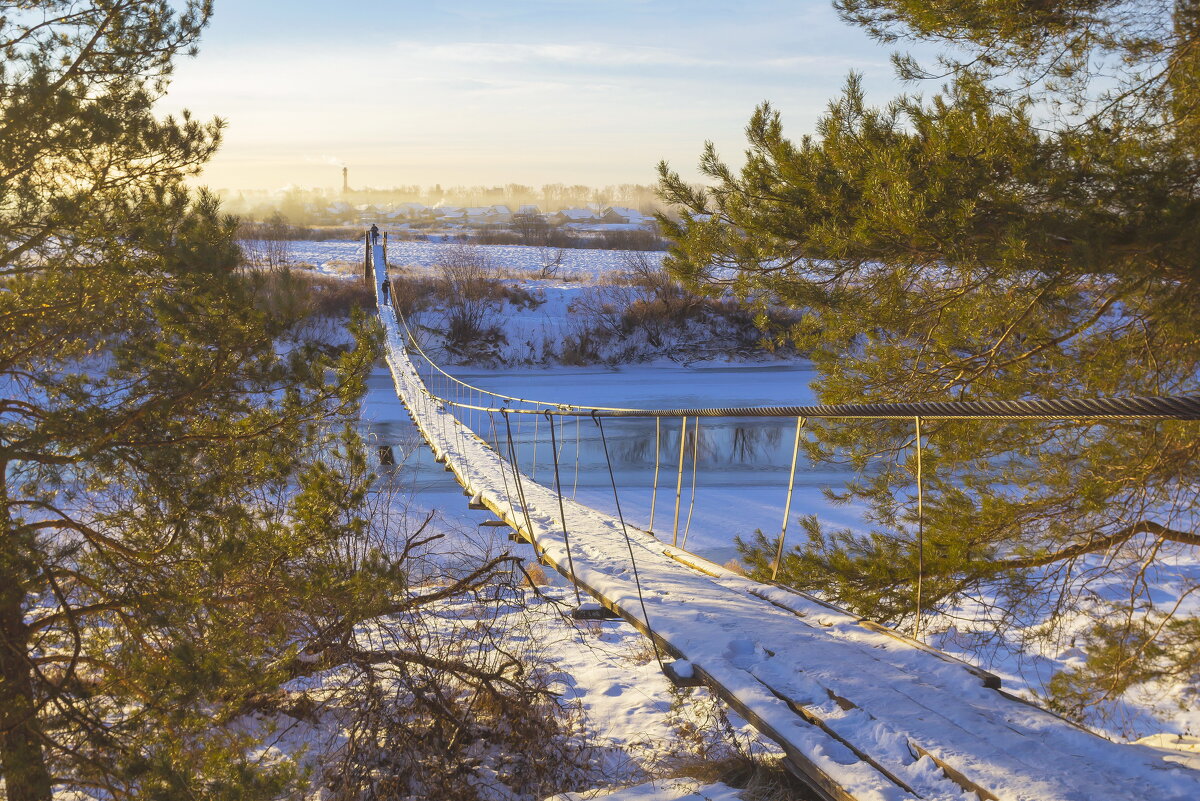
{"x": 744, "y": 653}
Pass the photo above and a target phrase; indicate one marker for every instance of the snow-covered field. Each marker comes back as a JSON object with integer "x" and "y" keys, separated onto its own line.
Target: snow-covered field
{"x": 334, "y": 256}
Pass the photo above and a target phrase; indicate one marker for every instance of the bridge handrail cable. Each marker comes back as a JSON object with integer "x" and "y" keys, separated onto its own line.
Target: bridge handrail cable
{"x": 542, "y": 405}
{"x": 1177, "y": 407}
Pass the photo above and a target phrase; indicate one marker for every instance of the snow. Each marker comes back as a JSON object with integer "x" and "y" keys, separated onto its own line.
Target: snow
{"x": 334, "y": 257}
{"x": 683, "y": 669}
{"x": 668, "y": 790}
{"x": 622, "y": 708}
{"x": 737, "y": 496}
{"x": 872, "y": 693}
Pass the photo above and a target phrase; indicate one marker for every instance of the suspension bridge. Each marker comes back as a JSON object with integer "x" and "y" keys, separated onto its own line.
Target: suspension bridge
{"x": 861, "y": 712}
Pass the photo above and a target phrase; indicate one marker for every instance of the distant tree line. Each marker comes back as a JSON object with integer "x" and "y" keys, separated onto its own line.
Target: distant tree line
{"x": 296, "y": 204}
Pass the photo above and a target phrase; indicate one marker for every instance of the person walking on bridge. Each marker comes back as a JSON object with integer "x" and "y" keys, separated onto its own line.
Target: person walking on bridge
{"x": 374, "y": 234}
{"x": 386, "y": 288}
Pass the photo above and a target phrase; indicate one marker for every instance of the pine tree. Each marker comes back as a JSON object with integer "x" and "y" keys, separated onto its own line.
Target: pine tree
{"x": 174, "y": 491}
{"x": 1030, "y": 229}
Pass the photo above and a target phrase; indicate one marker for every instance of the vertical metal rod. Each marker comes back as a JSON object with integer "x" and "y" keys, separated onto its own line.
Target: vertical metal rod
{"x": 512, "y": 455}
{"x": 679, "y": 481}
{"x": 536, "y": 420}
{"x": 500, "y": 454}
{"x": 624, "y": 530}
{"x": 692, "y": 501}
{"x": 562, "y": 423}
{"x": 787, "y": 506}
{"x": 575, "y": 485}
{"x": 920, "y": 533}
{"x": 654, "y": 491}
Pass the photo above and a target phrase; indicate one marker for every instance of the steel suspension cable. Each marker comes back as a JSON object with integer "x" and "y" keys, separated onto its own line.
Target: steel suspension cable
{"x": 512, "y": 452}
{"x": 562, "y": 513}
{"x": 628, "y": 543}
{"x": 499, "y": 455}
{"x": 1179, "y": 407}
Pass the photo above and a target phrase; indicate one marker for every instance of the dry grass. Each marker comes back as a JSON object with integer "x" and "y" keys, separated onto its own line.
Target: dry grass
{"x": 535, "y": 576}
{"x": 642, "y": 652}
{"x": 734, "y": 566}
{"x": 304, "y": 294}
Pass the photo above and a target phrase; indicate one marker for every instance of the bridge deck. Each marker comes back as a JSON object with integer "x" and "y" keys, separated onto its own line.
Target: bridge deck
{"x": 862, "y": 712}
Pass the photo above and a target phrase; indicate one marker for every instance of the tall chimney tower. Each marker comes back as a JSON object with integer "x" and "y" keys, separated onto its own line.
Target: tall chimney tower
{"x": 345, "y": 180}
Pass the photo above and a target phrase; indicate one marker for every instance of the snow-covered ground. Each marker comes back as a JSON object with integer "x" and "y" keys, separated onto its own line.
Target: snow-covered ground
{"x": 668, "y": 790}
{"x": 734, "y": 496}
{"x": 906, "y": 708}
{"x": 334, "y": 256}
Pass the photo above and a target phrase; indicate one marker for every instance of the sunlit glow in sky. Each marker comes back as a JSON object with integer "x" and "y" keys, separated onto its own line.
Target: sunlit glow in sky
{"x": 509, "y": 91}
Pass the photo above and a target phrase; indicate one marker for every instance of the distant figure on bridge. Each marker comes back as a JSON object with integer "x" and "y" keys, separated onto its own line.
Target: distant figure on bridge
{"x": 386, "y": 288}
{"x": 374, "y": 234}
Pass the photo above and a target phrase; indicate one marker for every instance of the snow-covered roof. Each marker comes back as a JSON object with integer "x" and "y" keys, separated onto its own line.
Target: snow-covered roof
{"x": 578, "y": 214}
{"x": 628, "y": 213}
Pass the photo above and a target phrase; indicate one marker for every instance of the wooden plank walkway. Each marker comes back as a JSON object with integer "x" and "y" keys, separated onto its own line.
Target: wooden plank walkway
{"x": 862, "y": 713}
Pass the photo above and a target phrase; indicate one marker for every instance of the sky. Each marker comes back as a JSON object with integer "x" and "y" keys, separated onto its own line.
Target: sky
{"x": 472, "y": 92}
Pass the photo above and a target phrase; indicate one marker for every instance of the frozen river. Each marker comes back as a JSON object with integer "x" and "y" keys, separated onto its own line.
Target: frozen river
{"x": 741, "y": 477}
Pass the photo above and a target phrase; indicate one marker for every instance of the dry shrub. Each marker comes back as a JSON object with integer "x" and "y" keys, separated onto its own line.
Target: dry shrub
{"x": 465, "y": 716}
{"x": 535, "y": 576}
{"x": 642, "y": 651}
{"x": 422, "y": 734}
{"x": 644, "y": 301}
{"x": 470, "y": 292}
{"x": 708, "y": 748}
{"x": 335, "y": 297}
{"x": 580, "y": 344}
{"x": 760, "y": 779}
{"x": 734, "y": 566}
{"x": 302, "y": 293}
{"x": 413, "y": 293}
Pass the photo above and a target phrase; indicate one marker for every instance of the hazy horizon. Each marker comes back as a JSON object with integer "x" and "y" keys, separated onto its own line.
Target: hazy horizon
{"x": 550, "y": 91}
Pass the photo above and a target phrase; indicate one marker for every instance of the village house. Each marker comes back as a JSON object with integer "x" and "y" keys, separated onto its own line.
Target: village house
{"x": 573, "y": 217}
{"x": 498, "y": 215}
